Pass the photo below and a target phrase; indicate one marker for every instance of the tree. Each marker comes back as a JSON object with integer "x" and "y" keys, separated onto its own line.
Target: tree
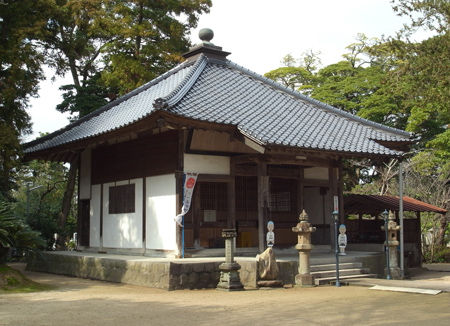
{"x": 20, "y": 72}
{"x": 301, "y": 77}
{"x": 14, "y": 232}
{"x": 150, "y": 37}
{"x": 127, "y": 43}
{"x": 41, "y": 207}
{"x": 422, "y": 78}
{"x": 74, "y": 37}
{"x": 423, "y": 82}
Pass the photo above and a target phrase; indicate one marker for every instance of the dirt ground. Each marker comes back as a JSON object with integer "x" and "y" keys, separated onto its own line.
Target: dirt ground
{"x": 86, "y": 302}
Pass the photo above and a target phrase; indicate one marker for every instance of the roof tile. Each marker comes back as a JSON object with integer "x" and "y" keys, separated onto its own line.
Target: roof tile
{"x": 225, "y": 93}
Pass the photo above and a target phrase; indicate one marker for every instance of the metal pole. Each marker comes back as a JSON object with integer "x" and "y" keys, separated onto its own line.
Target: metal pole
{"x": 335, "y": 215}
{"x": 400, "y": 216}
{"x": 182, "y": 220}
{"x": 386, "y": 245}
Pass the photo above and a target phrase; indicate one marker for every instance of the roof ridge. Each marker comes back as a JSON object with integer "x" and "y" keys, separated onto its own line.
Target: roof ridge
{"x": 178, "y": 93}
{"x": 110, "y": 105}
{"x": 311, "y": 100}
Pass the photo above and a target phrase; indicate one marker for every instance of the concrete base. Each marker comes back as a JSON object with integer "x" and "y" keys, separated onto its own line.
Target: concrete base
{"x": 396, "y": 273}
{"x": 270, "y": 284}
{"x": 229, "y": 277}
{"x": 304, "y": 280}
{"x": 174, "y": 274}
{"x": 157, "y": 273}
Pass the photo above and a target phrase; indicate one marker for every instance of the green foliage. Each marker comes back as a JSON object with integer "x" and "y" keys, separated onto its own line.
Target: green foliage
{"x": 296, "y": 78}
{"x": 41, "y": 206}
{"x": 126, "y": 43}
{"x": 12, "y": 281}
{"x": 433, "y": 15}
{"x": 20, "y": 72}
{"x": 149, "y": 38}
{"x": 300, "y": 78}
{"x": 422, "y": 82}
{"x": 14, "y": 232}
{"x": 83, "y": 100}
{"x": 74, "y": 36}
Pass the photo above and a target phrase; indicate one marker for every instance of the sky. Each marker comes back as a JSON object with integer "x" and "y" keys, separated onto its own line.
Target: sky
{"x": 259, "y": 33}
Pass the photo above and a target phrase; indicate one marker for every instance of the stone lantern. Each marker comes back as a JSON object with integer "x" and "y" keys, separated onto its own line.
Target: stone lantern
{"x": 229, "y": 270}
{"x": 392, "y": 268}
{"x": 304, "y": 230}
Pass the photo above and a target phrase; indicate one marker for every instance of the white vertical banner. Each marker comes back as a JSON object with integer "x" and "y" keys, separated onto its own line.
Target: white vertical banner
{"x": 190, "y": 179}
{"x": 336, "y": 203}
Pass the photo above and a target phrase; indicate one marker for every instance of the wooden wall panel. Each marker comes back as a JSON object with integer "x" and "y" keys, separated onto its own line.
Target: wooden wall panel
{"x": 139, "y": 158}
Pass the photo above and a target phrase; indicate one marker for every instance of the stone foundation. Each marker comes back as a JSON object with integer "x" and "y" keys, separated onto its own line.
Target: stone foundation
{"x": 168, "y": 275}
{"x": 165, "y": 273}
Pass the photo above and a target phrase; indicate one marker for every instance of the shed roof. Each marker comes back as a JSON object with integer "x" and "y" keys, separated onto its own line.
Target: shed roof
{"x": 216, "y": 90}
{"x": 375, "y": 204}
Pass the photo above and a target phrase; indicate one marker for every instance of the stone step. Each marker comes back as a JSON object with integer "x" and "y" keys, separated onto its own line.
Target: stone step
{"x": 327, "y": 280}
{"x": 328, "y": 267}
{"x": 342, "y": 272}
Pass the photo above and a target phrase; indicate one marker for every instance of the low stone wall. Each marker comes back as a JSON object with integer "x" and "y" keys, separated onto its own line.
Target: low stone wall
{"x": 167, "y": 275}
{"x": 287, "y": 271}
{"x": 152, "y": 274}
{"x": 206, "y": 275}
{"x": 374, "y": 263}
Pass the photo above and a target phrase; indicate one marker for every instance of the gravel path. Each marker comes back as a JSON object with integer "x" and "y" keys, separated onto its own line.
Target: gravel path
{"x": 85, "y": 302}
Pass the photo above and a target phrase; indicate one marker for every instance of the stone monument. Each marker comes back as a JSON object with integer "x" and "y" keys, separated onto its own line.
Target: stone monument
{"x": 392, "y": 244}
{"x": 342, "y": 240}
{"x": 270, "y": 236}
{"x": 267, "y": 264}
{"x": 229, "y": 275}
{"x": 304, "y": 230}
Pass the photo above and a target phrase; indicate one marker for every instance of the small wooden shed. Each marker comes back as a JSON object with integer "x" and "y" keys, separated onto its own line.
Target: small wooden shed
{"x": 366, "y": 228}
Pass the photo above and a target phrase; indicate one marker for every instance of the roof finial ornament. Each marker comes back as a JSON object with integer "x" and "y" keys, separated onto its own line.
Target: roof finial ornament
{"x": 205, "y": 47}
{"x": 206, "y": 35}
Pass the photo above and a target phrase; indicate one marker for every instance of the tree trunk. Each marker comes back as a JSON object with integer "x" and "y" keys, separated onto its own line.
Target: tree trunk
{"x": 68, "y": 194}
{"x": 443, "y": 221}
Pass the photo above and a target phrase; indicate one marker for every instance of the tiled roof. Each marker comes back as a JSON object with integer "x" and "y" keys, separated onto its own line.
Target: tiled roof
{"x": 220, "y": 91}
{"x": 355, "y": 204}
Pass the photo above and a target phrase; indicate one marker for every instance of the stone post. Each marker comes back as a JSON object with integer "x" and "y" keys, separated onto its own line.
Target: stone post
{"x": 304, "y": 230}
{"x": 229, "y": 275}
{"x": 392, "y": 244}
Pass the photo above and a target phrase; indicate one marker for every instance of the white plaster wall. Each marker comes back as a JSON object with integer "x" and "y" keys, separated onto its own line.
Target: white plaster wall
{"x": 94, "y": 219}
{"x": 316, "y": 173}
{"x": 85, "y": 174}
{"x": 160, "y": 211}
{"x": 123, "y": 230}
{"x": 208, "y": 164}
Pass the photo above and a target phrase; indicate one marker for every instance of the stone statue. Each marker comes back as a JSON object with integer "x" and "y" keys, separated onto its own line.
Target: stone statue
{"x": 55, "y": 237}
{"x": 268, "y": 269}
{"x": 270, "y": 237}
{"x": 342, "y": 240}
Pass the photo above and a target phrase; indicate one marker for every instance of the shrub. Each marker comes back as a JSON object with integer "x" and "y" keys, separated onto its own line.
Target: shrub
{"x": 14, "y": 232}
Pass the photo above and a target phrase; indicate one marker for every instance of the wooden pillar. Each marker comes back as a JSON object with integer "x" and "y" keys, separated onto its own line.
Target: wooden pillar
{"x": 231, "y": 193}
{"x": 419, "y": 235}
{"x": 101, "y": 217}
{"x": 301, "y": 190}
{"x": 79, "y": 226}
{"x": 341, "y": 193}
{"x": 179, "y": 187}
{"x": 144, "y": 213}
{"x": 334, "y": 177}
{"x": 196, "y": 216}
{"x": 263, "y": 186}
